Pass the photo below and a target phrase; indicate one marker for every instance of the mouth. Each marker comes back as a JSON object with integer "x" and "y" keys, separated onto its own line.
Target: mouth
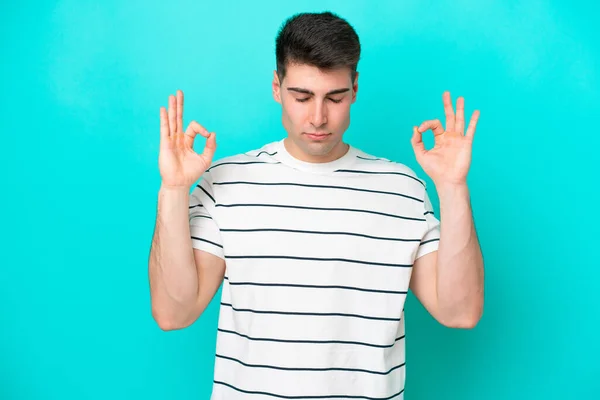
{"x": 317, "y": 136}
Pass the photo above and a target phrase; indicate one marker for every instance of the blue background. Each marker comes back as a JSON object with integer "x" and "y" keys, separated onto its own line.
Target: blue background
{"x": 81, "y": 87}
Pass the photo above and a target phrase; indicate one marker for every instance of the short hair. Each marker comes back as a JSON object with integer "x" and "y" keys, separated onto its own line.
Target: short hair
{"x": 323, "y": 40}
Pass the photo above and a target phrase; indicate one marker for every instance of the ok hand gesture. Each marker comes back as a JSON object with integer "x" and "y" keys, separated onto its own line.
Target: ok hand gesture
{"x": 449, "y": 160}
{"x": 180, "y": 167}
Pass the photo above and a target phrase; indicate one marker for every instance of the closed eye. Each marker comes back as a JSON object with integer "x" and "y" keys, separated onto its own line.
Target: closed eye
{"x": 307, "y": 98}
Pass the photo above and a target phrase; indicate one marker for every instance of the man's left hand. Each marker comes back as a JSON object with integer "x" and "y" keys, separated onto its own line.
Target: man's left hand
{"x": 448, "y": 162}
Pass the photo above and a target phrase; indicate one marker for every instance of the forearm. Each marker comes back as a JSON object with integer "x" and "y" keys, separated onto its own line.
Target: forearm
{"x": 173, "y": 273}
{"x": 460, "y": 262}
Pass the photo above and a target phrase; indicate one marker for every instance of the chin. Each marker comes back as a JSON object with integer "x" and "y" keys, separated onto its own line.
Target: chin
{"x": 319, "y": 148}
{"x": 315, "y": 148}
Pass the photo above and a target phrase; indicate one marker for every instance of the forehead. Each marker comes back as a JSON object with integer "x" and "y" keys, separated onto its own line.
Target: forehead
{"x": 315, "y": 79}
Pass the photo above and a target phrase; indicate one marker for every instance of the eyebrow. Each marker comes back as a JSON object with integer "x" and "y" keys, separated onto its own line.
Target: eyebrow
{"x": 306, "y": 91}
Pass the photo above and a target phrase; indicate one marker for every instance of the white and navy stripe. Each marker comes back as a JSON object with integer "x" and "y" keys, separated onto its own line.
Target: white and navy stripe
{"x": 318, "y": 263}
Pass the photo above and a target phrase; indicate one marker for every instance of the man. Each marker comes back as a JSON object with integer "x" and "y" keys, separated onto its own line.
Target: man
{"x": 315, "y": 242}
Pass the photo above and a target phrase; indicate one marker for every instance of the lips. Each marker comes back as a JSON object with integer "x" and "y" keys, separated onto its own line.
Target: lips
{"x": 317, "y": 136}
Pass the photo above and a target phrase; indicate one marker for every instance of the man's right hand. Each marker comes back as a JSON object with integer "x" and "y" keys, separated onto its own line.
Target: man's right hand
{"x": 180, "y": 166}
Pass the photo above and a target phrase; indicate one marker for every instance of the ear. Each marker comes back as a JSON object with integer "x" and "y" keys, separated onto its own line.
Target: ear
{"x": 276, "y": 87}
{"x": 355, "y": 88}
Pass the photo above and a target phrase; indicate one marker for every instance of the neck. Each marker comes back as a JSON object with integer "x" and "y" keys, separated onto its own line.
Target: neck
{"x": 338, "y": 151}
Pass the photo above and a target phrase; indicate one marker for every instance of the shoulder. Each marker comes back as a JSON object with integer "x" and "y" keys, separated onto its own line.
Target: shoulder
{"x": 370, "y": 163}
{"x": 261, "y": 155}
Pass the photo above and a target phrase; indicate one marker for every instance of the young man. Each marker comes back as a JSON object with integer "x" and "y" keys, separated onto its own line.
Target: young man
{"x": 315, "y": 242}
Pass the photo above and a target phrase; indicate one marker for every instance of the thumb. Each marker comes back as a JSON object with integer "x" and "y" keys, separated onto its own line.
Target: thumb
{"x": 417, "y": 142}
{"x": 209, "y": 148}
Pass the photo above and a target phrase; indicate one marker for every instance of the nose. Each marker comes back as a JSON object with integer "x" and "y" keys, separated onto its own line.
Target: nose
{"x": 319, "y": 114}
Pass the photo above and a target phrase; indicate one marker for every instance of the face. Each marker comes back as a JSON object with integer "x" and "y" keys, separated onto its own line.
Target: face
{"x": 315, "y": 110}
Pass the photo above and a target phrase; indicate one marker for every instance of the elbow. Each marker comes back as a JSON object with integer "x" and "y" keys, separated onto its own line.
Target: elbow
{"x": 465, "y": 321}
{"x": 168, "y": 322}
{"x": 168, "y": 325}
{"x": 164, "y": 323}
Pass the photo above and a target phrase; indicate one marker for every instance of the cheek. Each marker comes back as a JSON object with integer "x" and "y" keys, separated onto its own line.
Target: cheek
{"x": 295, "y": 112}
{"x": 339, "y": 116}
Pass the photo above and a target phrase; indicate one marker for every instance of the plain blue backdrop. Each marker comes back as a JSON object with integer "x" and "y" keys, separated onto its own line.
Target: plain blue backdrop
{"x": 81, "y": 87}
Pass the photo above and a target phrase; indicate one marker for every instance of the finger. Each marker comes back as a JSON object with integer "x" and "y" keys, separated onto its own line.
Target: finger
{"x": 195, "y": 128}
{"x": 449, "y": 111}
{"x": 473, "y": 124}
{"x": 460, "y": 115}
{"x": 435, "y": 125}
{"x": 172, "y": 115}
{"x": 179, "y": 111}
{"x": 164, "y": 124}
{"x": 417, "y": 142}
{"x": 209, "y": 148}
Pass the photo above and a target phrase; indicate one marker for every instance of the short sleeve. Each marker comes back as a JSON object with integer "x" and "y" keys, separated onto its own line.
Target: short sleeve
{"x": 431, "y": 238}
{"x": 204, "y": 229}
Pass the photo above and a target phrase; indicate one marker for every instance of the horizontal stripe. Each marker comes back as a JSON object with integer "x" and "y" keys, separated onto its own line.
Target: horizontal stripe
{"x": 318, "y": 259}
{"x": 357, "y": 171}
{"x": 308, "y": 314}
{"x": 196, "y": 205}
{"x": 322, "y": 209}
{"x": 373, "y": 159}
{"x": 341, "y": 396}
{"x": 208, "y": 194}
{"x": 207, "y": 241}
{"x": 264, "y": 151}
{"x": 313, "y": 287}
{"x": 241, "y": 163}
{"x": 429, "y": 241}
{"x": 321, "y": 233}
{"x": 200, "y": 216}
{"x": 429, "y": 212}
{"x": 316, "y": 186}
{"x": 310, "y": 369}
{"x": 346, "y": 342}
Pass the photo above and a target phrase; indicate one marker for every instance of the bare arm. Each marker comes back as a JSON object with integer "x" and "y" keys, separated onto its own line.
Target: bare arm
{"x": 183, "y": 280}
{"x": 449, "y": 282}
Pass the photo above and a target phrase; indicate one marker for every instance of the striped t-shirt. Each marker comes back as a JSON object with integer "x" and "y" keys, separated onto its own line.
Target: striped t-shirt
{"x": 318, "y": 262}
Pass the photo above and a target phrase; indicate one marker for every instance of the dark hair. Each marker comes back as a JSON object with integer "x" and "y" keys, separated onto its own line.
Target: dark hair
{"x": 323, "y": 40}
